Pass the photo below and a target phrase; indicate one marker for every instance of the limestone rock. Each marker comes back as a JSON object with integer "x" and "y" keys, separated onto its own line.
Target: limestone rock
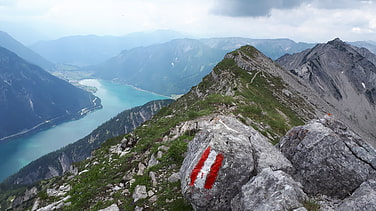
{"x": 61, "y": 191}
{"x": 221, "y": 159}
{"x": 269, "y": 190}
{"x": 153, "y": 161}
{"x": 174, "y": 177}
{"x": 364, "y": 198}
{"x": 137, "y": 208}
{"x": 141, "y": 168}
{"x": 29, "y": 193}
{"x": 113, "y": 207}
{"x": 153, "y": 178}
{"x": 153, "y": 199}
{"x": 139, "y": 193}
{"x": 57, "y": 205}
{"x": 329, "y": 159}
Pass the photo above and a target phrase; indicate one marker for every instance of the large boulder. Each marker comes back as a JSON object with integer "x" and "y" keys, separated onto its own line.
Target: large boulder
{"x": 270, "y": 190}
{"x": 224, "y": 156}
{"x": 328, "y": 158}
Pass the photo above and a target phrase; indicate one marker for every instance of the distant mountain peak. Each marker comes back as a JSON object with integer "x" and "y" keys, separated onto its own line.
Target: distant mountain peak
{"x": 8, "y": 42}
{"x": 339, "y": 44}
{"x": 343, "y": 75}
{"x": 336, "y": 40}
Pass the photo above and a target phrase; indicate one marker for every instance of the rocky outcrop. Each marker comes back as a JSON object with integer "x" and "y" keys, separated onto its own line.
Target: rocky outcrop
{"x": 328, "y": 158}
{"x": 113, "y": 207}
{"x": 221, "y": 159}
{"x": 230, "y": 166}
{"x": 270, "y": 190}
{"x": 28, "y": 194}
{"x": 139, "y": 193}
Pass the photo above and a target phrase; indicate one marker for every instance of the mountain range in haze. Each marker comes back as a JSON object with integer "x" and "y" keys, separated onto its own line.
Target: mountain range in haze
{"x": 8, "y": 42}
{"x": 164, "y": 54}
{"x": 91, "y": 49}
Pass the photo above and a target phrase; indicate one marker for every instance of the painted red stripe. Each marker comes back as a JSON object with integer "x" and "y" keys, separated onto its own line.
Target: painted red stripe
{"x": 210, "y": 179}
{"x": 199, "y": 166}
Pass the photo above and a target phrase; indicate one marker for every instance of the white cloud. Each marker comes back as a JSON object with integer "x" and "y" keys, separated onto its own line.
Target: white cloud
{"x": 307, "y": 20}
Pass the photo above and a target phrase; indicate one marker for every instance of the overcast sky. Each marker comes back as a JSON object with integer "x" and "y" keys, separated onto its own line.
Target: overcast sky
{"x": 300, "y": 20}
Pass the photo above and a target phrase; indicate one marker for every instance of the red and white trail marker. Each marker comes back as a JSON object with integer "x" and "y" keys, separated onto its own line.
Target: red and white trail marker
{"x": 206, "y": 170}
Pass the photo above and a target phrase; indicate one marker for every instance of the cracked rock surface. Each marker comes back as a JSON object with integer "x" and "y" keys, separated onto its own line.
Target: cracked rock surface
{"x": 270, "y": 190}
{"x": 328, "y": 158}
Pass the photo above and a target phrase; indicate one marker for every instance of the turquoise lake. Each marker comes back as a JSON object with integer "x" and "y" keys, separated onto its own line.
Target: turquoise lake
{"x": 15, "y": 154}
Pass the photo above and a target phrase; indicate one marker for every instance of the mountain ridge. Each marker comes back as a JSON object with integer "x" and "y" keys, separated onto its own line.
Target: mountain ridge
{"x": 168, "y": 68}
{"x": 342, "y": 76}
{"x": 82, "y": 50}
{"x": 13, "y": 45}
{"x": 179, "y": 64}
{"x": 32, "y": 99}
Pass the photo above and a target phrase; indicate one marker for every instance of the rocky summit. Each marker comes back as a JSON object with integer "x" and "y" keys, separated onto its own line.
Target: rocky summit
{"x": 251, "y": 136}
{"x": 344, "y": 77}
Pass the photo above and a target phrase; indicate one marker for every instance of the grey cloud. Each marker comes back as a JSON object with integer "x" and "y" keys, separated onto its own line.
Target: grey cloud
{"x": 258, "y": 8}
{"x": 340, "y": 4}
{"x": 253, "y": 8}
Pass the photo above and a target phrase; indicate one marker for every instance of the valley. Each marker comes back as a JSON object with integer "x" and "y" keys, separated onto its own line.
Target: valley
{"x": 115, "y": 98}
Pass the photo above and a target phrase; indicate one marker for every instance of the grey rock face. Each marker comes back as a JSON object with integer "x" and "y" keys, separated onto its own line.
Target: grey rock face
{"x": 344, "y": 76}
{"x": 153, "y": 161}
{"x": 139, "y": 193}
{"x": 29, "y": 193}
{"x": 113, "y": 207}
{"x": 174, "y": 177}
{"x": 244, "y": 152}
{"x": 329, "y": 159}
{"x": 269, "y": 190}
{"x": 364, "y": 198}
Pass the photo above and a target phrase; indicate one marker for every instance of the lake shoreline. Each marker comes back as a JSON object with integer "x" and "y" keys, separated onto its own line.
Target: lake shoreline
{"x": 51, "y": 123}
{"x": 18, "y": 152}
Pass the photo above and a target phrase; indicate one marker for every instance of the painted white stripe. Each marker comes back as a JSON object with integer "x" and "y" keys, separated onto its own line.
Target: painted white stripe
{"x": 227, "y": 127}
{"x": 201, "y": 177}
